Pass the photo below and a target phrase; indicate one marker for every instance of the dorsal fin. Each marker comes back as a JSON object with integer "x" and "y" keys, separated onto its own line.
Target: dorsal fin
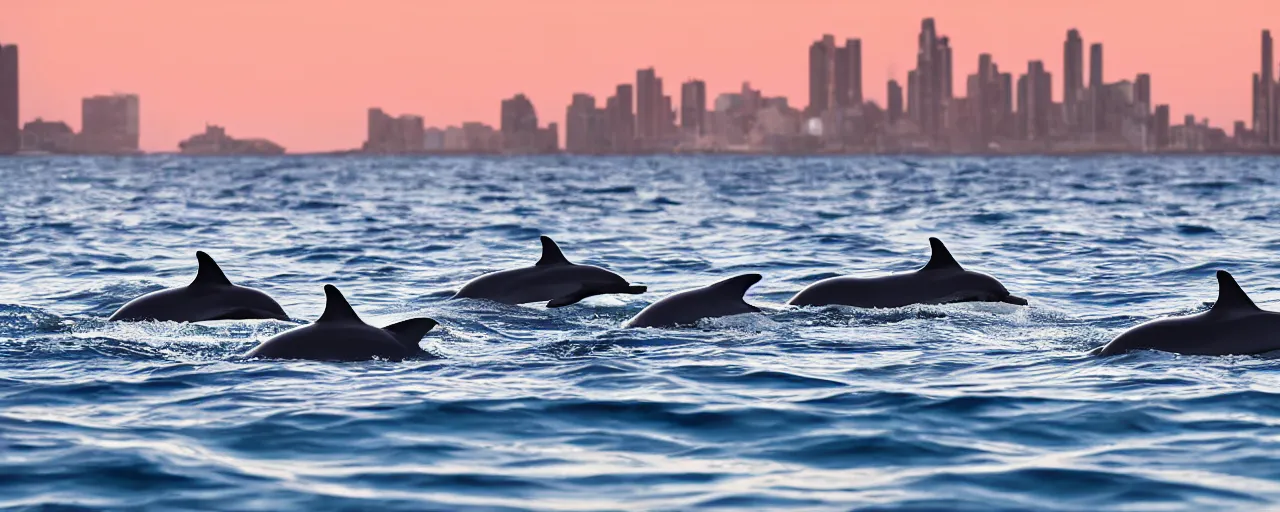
{"x": 336, "y": 307}
{"x": 208, "y": 272}
{"x": 1230, "y": 296}
{"x": 551, "y": 254}
{"x": 941, "y": 258}
{"x": 735, "y": 286}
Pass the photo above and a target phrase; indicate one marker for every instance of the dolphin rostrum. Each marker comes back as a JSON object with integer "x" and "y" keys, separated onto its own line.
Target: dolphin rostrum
{"x": 1233, "y": 326}
{"x": 552, "y": 279}
{"x": 340, "y": 335}
{"x": 211, "y": 296}
{"x": 941, "y": 281}
{"x": 723, "y": 298}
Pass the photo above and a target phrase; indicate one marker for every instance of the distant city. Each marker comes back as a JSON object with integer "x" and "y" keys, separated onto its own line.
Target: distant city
{"x": 998, "y": 114}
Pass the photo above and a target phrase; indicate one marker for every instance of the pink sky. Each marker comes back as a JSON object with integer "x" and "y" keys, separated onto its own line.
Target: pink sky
{"x": 303, "y": 72}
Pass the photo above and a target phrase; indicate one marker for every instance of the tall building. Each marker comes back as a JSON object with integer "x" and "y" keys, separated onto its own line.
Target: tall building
{"x": 1142, "y": 94}
{"x": 933, "y": 83}
{"x": 1263, "y": 101}
{"x": 1039, "y": 101}
{"x": 622, "y": 119}
{"x": 944, "y": 54}
{"x": 848, "y": 80}
{"x": 822, "y": 70}
{"x": 987, "y": 99}
{"x": 1024, "y": 107}
{"x": 1097, "y": 94}
{"x": 913, "y": 96}
{"x": 1006, "y": 118}
{"x": 652, "y": 113}
{"x": 1160, "y": 126}
{"x": 1073, "y": 78}
{"x": 10, "y": 134}
{"x": 894, "y": 101}
{"x": 693, "y": 107}
{"x": 578, "y": 119}
{"x": 109, "y": 124}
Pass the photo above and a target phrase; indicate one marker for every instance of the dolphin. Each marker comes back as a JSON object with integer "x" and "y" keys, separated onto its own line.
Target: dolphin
{"x": 723, "y": 298}
{"x": 1233, "y": 326}
{"x": 941, "y": 281}
{"x": 340, "y": 335}
{"x": 211, "y": 296}
{"x": 552, "y": 279}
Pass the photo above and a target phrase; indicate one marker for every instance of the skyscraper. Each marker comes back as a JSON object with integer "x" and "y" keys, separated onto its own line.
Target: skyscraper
{"x": 1039, "y": 100}
{"x": 1142, "y": 94}
{"x": 622, "y": 119}
{"x": 579, "y": 132}
{"x": 1160, "y": 125}
{"x": 944, "y": 54}
{"x": 1073, "y": 77}
{"x": 894, "y": 101}
{"x": 1097, "y": 93}
{"x": 650, "y": 115}
{"x": 987, "y": 99}
{"x": 10, "y": 133}
{"x": 848, "y": 67}
{"x": 822, "y": 70}
{"x": 913, "y": 96}
{"x": 693, "y": 107}
{"x": 933, "y": 83}
{"x": 1264, "y": 108}
{"x": 1024, "y": 107}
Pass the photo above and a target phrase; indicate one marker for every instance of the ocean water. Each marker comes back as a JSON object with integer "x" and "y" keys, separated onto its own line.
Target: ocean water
{"x": 956, "y": 407}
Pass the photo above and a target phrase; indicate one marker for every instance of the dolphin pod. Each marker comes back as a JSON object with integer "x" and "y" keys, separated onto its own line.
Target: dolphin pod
{"x": 1233, "y": 326}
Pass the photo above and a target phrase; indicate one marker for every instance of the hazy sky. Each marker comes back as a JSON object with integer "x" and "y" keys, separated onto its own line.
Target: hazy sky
{"x": 303, "y": 72}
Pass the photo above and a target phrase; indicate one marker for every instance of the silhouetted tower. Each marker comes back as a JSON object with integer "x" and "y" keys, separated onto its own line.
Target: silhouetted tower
{"x": 933, "y": 85}
{"x": 822, "y": 70}
{"x": 693, "y": 107}
{"x": 10, "y": 132}
{"x": 1097, "y": 91}
{"x": 651, "y": 113}
{"x": 1160, "y": 125}
{"x": 895, "y": 101}
{"x": 1039, "y": 102}
{"x": 622, "y": 119}
{"x": 1073, "y": 77}
{"x": 913, "y": 96}
{"x": 1142, "y": 93}
{"x": 848, "y": 68}
{"x": 1264, "y": 109}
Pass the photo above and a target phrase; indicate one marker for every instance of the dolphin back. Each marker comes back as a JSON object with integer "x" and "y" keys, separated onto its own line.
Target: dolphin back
{"x": 723, "y": 298}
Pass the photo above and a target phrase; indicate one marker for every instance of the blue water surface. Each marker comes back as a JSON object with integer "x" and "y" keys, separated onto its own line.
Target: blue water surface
{"x": 956, "y": 407}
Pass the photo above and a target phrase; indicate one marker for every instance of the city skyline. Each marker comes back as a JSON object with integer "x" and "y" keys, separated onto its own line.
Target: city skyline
{"x": 776, "y": 64}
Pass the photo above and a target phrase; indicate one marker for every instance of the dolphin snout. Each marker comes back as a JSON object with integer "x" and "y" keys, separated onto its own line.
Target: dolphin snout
{"x": 1015, "y": 300}
{"x": 637, "y": 289}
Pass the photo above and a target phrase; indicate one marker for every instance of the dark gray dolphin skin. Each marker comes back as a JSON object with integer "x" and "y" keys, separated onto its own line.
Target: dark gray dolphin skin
{"x": 1233, "y": 326}
{"x": 211, "y": 296}
{"x": 687, "y": 307}
{"x": 340, "y": 335}
{"x": 552, "y": 279}
{"x": 941, "y": 281}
